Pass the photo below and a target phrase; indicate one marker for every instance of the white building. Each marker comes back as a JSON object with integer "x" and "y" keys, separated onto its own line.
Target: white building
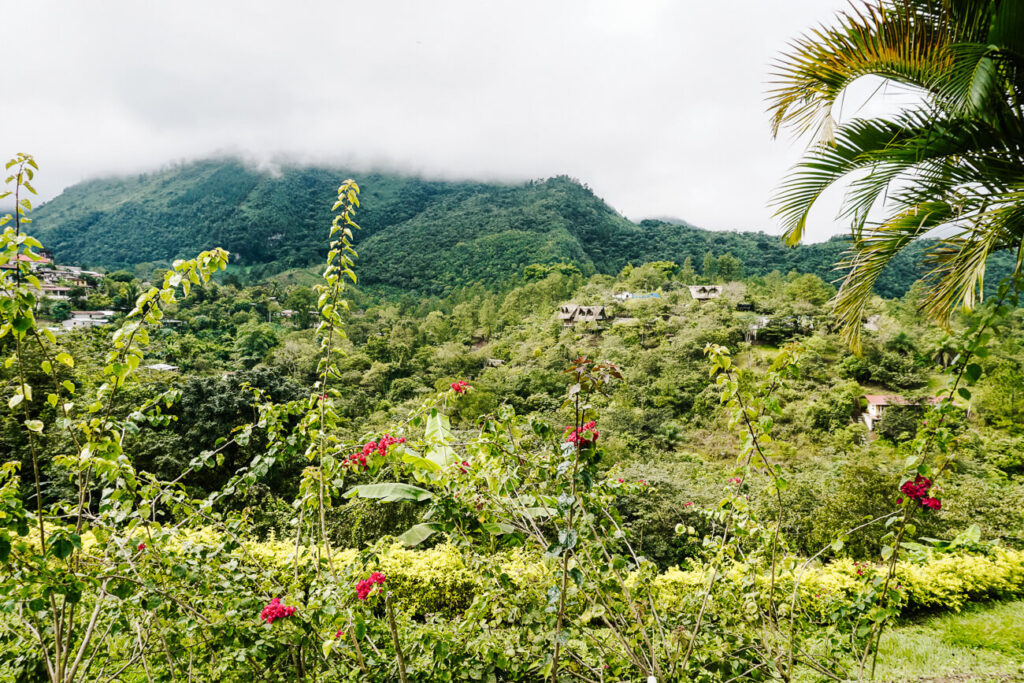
{"x": 82, "y": 319}
{"x": 877, "y": 404}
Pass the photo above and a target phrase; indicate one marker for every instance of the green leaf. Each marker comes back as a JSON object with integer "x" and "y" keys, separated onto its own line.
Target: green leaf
{"x": 5, "y": 547}
{"x": 973, "y": 373}
{"x": 419, "y": 533}
{"x": 66, "y": 359}
{"x": 411, "y": 458}
{"x": 390, "y": 492}
{"x": 576, "y": 575}
{"x": 61, "y": 546}
{"x": 438, "y": 434}
{"x": 34, "y": 425}
{"x": 964, "y": 393}
{"x": 21, "y": 324}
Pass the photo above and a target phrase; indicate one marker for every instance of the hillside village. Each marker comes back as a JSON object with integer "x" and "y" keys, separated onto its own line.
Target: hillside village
{"x": 596, "y": 318}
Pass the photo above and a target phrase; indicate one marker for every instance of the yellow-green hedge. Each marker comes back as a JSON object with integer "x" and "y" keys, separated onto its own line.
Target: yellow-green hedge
{"x": 944, "y": 582}
{"x": 445, "y": 579}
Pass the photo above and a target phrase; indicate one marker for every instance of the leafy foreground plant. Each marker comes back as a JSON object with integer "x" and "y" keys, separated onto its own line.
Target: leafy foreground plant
{"x": 133, "y": 578}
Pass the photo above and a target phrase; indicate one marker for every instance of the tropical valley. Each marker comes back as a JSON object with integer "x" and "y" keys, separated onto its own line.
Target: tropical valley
{"x": 331, "y": 424}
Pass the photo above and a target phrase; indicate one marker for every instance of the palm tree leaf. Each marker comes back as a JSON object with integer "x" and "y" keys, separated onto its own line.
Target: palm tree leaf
{"x": 887, "y": 40}
{"x": 958, "y": 275}
{"x": 871, "y": 254}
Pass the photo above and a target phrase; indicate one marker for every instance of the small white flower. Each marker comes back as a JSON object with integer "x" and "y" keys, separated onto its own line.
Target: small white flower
{"x": 652, "y": 679}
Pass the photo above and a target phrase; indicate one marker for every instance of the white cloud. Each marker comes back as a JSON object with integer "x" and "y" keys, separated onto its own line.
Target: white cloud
{"x": 657, "y": 105}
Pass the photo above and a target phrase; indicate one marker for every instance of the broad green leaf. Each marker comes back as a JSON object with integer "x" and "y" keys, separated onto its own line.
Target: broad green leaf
{"x": 438, "y": 434}
{"x": 972, "y": 373}
{"x": 418, "y": 533}
{"x": 411, "y": 458}
{"x": 390, "y": 492}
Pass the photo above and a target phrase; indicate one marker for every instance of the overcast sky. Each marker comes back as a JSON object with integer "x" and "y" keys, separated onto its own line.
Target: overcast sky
{"x": 657, "y": 105}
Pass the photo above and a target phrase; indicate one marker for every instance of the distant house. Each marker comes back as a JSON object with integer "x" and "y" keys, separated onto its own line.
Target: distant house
{"x": 570, "y": 314}
{"x": 744, "y": 306}
{"x": 622, "y": 296}
{"x": 705, "y": 292}
{"x": 494, "y": 362}
{"x": 81, "y": 319}
{"x": 876, "y": 405}
{"x": 34, "y": 264}
{"x": 57, "y": 292}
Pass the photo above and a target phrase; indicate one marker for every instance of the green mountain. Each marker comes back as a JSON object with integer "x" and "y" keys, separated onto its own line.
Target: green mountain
{"x": 418, "y": 235}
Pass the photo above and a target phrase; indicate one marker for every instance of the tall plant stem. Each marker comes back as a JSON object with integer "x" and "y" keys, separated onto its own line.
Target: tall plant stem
{"x": 394, "y": 637}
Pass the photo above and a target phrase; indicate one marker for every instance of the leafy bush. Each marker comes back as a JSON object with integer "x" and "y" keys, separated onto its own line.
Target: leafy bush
{"x": 898, "y": 423}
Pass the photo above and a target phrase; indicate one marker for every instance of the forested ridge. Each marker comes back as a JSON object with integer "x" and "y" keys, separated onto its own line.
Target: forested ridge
{"x": 418, "y": 235}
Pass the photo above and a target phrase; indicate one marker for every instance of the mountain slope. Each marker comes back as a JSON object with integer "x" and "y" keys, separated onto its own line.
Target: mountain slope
{"x": 420, "y": 235}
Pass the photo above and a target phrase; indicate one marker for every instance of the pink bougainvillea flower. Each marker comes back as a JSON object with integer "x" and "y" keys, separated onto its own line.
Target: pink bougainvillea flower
{"x": 587, "y": 434}
{"x": 364, "y": 587}
{"x": 340, "y": 633}
{"x": 141, "y": 547}
{"x": 917, "y": 490}
{"x": 275, "y": 610}
{"x": 370, "y": 449}
{"x": 460, "y": 386}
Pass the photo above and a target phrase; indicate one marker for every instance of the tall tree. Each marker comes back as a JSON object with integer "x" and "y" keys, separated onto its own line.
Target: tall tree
{"x": 952, "y": 159}
{"x": 709, "y": 269}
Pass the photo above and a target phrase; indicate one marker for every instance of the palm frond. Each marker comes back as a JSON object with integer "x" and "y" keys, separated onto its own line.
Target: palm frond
{"x": 958, "y": 276}
{"x": 890, "y": 40}
{"x": 920, "y": 146}
{"x": 871, "y": 254}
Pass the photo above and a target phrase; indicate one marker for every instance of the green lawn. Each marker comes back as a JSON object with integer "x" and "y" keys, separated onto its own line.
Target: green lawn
{"x": 985, "y": 643}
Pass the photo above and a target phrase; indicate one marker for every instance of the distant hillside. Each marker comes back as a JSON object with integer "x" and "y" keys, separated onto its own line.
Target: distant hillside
{"x": 420, "y": 235}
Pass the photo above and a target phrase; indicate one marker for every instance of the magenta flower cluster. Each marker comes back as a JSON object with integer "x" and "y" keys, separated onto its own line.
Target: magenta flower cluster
{"x": 275, "y": 610}
{"x": 379, "y": 448}
{"x": 917, "y": 491}
{"x": 586, "y": 434}
{"x": 364, "y": 587}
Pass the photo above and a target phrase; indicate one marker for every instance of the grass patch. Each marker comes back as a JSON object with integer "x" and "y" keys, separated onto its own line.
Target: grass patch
{"x": 985, "y": 643}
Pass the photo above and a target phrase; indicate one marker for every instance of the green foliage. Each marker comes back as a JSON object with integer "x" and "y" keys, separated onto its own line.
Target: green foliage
{"x": 899, "y": 423}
